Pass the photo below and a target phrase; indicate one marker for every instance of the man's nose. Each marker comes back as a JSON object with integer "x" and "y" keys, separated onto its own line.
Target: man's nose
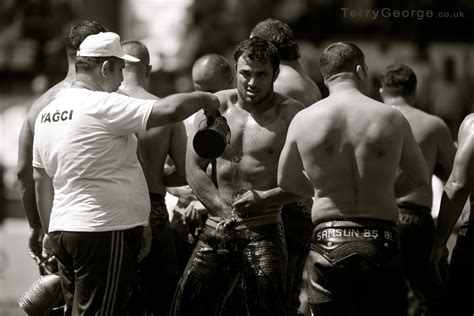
{"x": 252, "y": 81}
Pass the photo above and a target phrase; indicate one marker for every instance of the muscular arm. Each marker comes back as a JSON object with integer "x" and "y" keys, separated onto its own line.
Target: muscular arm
{"x": 177, "y": 152}
{"x": 459, "y": 185}
{"x": 177, "y": 107}
{"x": 446, "y": 151}
{"x": 200, "y": 182}
{"x": 291, "y": 175}
{"x": 44, "y": 195}
{"x": 412, "y": 163}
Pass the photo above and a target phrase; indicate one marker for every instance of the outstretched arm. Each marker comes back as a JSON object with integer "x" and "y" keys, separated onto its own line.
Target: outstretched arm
{"x": 178, "y": 107}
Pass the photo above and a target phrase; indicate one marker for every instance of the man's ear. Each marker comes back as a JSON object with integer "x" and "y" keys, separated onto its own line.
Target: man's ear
{"x": 361, "y": 72}
{"x": 105, "y": 68}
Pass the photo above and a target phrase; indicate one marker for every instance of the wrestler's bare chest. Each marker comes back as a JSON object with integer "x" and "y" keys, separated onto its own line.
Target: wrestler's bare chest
{"x": 260, "y": 136}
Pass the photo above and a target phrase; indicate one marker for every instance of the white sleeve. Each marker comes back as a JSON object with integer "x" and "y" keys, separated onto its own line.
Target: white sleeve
{"x": 125, "y": 115}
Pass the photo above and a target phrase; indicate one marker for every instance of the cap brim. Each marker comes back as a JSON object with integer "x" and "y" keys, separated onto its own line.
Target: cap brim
{"x": 129, "y": 58}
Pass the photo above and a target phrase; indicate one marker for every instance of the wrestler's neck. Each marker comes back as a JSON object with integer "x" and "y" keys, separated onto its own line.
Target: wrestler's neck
{"x": 341, "y": 86}
{"x": 397, "y": 101}
{"x": 133, "y": 80}
{"x": 259, "y": 107}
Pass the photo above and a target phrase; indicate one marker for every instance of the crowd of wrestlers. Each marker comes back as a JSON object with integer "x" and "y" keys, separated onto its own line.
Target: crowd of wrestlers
{"x": 337, "y": 188}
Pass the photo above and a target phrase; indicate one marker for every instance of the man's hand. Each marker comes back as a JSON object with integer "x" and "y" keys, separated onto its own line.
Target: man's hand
{"x": 193, "y": 213}
{"x": 146, "y": 243}
{"x": 248, "y": 203}
{"x": 36, "y": 244}
{"x": 438, "y": 261}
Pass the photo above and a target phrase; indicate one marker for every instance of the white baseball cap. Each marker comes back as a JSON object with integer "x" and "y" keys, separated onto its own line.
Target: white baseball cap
{"x": 103, "y": 44}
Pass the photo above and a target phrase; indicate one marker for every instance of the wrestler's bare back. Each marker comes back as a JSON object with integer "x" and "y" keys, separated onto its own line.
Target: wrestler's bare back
{"x": 434, "y": 139}
{"x": 250, "y": 161}
{"x": 351, "y": 156}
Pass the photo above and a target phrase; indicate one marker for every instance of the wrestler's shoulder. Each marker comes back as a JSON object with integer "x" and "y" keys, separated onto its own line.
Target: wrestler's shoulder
{"x": 467, "y": 125}
{"x": 287, "y": 107}
{"x": 297, "y": 85}
{"x": 431, "y": 122}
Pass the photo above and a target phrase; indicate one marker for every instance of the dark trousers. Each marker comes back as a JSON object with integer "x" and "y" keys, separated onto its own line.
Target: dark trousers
{"x": 355, "y": 270}
{"x": 158, "y": 272}
{"x": 296, "y": 219}
{"x": 460, "y": 298}
{"x": 416, "y": 230}
{"x": 257, "y": 255}
{"x": 97, "y": 269}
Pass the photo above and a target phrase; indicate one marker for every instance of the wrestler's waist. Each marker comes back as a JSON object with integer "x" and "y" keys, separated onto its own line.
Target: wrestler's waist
{"x": 351, "y": 230}
{"x": 414, "y": 214}
{"x": 248, "y": 222}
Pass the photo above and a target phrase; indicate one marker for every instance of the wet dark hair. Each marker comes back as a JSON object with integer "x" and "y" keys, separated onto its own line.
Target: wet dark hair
{"x": 399, "y": 80}
{"x": 280, "y": 35}
{"x": 78, "y": 33}
{"x": 257, "y": 49}
{"x": 340, "y": 57}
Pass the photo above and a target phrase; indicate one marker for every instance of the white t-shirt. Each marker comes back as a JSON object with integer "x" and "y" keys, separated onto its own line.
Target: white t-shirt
{"x": 85, "y": 142}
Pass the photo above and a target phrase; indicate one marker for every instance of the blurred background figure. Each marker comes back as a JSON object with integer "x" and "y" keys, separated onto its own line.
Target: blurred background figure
{"x": 292, "y": 81}
{"x": 158, "y": 272}
{"x": 416, "y": 224}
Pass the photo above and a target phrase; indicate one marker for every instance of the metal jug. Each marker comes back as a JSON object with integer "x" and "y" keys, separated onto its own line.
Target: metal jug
{"x": 43, "y": 295}
{"x": 212, "y": 137}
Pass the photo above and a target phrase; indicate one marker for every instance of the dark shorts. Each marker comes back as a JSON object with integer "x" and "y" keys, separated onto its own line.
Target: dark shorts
{"x": 355, "y": 269}
{"x": 416, "y": 228}
{"x": 296, "y": 219}
{"x": 252, "y": 252}
{"x": 158, "y": 272}
{"x": 97, "y": 269}
{"x": 460, "y": 300}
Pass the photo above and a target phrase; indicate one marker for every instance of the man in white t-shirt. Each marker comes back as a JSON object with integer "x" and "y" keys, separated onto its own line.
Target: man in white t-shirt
{"x": 91, "y": 192}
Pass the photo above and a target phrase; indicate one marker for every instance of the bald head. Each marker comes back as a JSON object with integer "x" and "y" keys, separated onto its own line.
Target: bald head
{"x": 136, "y": 49}
{"x": 212, "y": 73}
